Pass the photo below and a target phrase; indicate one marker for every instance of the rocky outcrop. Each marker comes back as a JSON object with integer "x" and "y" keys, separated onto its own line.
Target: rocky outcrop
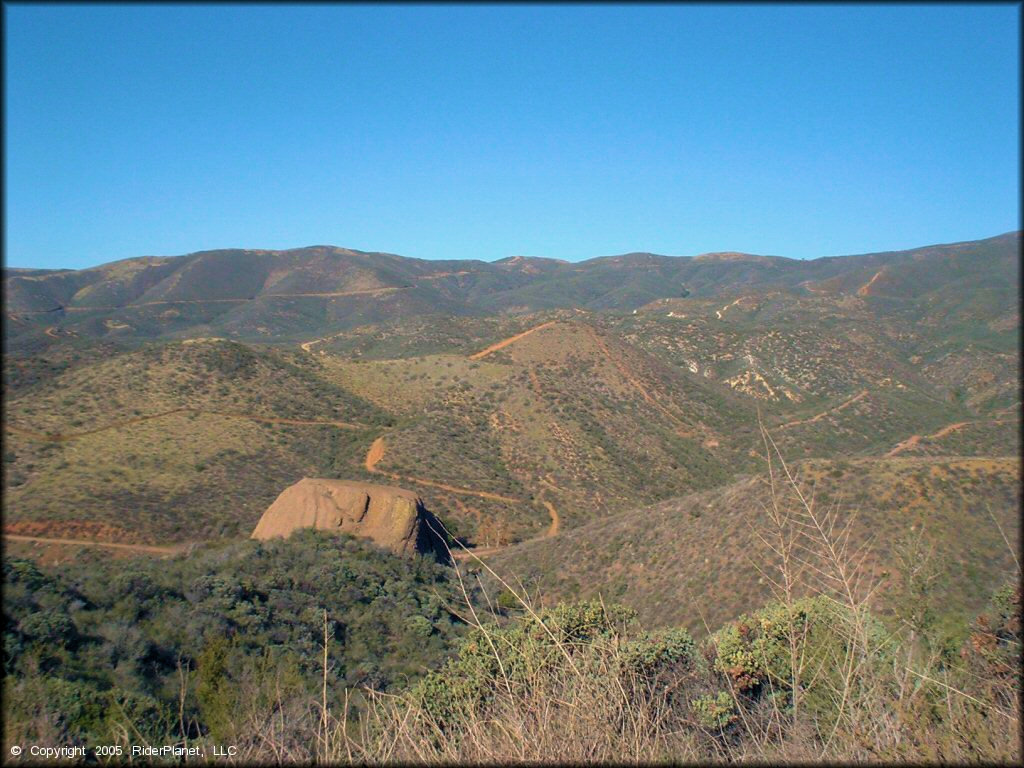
{"x": 393, "y": 518}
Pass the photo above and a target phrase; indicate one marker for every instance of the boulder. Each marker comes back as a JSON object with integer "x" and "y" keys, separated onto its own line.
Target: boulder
{"x": 394, "y": 518}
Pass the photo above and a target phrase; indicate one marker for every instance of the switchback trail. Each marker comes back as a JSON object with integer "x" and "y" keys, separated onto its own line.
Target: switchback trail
{"x": 860, "y": 395}
{"x": 65, "y": 437}
{"x": 144, "y": 548}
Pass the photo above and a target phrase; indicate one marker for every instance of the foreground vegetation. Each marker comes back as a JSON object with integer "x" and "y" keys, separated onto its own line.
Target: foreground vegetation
{"x": 322, "y": 648}
{"x": 203, "y": 645}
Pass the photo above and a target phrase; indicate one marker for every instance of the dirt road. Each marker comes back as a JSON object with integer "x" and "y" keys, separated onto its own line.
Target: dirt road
{"x": 142, "y": 548}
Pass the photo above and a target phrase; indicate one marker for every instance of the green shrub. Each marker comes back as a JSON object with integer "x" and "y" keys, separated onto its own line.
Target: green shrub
{"x": 716, "y": 711}
{"x": 808, "y": 644}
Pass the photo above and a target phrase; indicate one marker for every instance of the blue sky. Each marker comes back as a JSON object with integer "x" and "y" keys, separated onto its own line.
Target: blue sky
{"x": 485, "y": 132}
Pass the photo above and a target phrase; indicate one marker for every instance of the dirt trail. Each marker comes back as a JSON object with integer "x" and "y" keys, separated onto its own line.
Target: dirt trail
{"x": 913, "y": 440}
{"x": 720, "y": 312}
{"x": 376, "y": 453}
{"x": 307, "y": 345}
{"x": 905, "y": 445}
{"x": 860, "y": 395}
{"x": 510, "y": 340}
{"x": 535, "y": 382}
{"x": 555, "y": 520}
{"x": 476, "y": 552}
{"x": 146, "y": 548}
{"x": 439, "y": 275}
{"x": 865, "y": 289}
{"x": 65, "y": 437}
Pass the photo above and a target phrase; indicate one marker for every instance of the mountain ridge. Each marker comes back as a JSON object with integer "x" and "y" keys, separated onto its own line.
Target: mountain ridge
{"x": 287, "y": 293}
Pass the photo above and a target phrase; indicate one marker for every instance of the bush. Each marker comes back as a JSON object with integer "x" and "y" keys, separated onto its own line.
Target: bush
{"x": 807, "y": 645}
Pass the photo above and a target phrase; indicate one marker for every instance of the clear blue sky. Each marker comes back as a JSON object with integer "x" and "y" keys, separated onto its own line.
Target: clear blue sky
{"x": 484, "y": 132}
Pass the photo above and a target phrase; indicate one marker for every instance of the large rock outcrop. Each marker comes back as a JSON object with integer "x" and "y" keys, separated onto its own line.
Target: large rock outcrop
{"x": 393, "y": 517}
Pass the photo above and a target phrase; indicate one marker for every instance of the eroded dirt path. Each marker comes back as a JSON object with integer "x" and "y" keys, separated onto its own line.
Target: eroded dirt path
{"x": 58, "y": 437}
{"x": 142, "y": 548}
{"x": 859, "y": 396}
{"x": 510, "y": 340}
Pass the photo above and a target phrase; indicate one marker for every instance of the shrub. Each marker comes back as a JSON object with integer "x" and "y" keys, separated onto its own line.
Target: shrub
{"x": 807, "y": 645}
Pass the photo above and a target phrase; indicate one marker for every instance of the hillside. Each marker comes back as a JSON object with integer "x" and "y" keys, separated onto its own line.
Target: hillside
{"x": 168, "y": 442}
{"x": 699, "y": 558}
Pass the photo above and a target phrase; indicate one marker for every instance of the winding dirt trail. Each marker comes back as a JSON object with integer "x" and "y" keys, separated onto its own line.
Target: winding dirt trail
{"x": 65, "y": 437}
{"x": 720, "y": 312}
{"x": 859, "y": 396}
{"x": 510, "y": 340}
{"x": 142, "y": 548}
{"x": 307, "y": 346}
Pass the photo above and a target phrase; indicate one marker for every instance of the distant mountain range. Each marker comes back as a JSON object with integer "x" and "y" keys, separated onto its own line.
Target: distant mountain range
{"x": 253, "y": 294}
